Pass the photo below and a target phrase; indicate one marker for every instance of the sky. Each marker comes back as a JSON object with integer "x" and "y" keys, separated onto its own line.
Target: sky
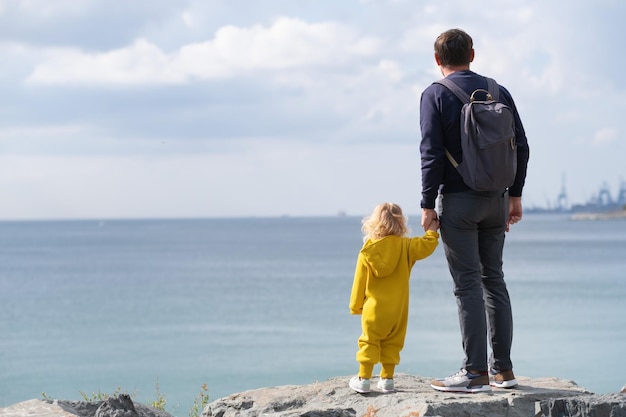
{"x": 238, "y": 108}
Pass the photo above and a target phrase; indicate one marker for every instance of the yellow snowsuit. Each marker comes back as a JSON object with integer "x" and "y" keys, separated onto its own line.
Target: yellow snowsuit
{"x": 380, "y": 293}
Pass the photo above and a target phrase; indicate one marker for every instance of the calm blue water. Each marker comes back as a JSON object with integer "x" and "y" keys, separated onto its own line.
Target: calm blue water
{"x": 246, "y": 303}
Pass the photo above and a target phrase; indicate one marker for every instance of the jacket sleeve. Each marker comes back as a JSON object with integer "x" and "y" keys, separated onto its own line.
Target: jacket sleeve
{"x": 432, "y": 147}
{"x": 357, "y": 297}
{"x": 422, "y": 247}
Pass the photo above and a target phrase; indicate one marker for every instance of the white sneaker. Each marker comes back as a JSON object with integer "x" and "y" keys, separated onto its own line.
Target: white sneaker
{"x": 462, "y": 381}
{"x": 385, "y": 385}
{"x": 360, "y": 385}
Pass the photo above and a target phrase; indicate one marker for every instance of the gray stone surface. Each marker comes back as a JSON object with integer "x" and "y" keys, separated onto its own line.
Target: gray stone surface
{"x": 609, "y": 405}
{"x": 534, "y": 397}
{"x": 120, "y": 406}
{"x": 414, "y": 397}
{"x": 113, "y": 407}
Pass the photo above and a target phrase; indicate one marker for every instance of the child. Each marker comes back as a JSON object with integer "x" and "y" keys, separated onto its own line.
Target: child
{"x": 380, "y": 291}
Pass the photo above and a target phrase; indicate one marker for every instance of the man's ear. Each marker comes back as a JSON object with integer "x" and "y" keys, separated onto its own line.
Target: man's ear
{"x": 438, "y": 61}
{"x": 472, "y": 55}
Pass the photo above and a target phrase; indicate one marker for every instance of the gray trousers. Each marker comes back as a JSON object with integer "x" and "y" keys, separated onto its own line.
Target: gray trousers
{"x": 472, "y": 231}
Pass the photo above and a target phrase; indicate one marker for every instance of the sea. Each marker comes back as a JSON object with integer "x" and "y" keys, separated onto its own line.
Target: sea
{"x": 176, "y": 308}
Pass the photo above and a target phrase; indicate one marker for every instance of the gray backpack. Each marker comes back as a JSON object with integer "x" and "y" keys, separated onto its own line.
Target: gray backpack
{"x": 487, "y": 139}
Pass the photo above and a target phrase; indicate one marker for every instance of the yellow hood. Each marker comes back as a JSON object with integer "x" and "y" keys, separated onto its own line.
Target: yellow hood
{"x": 382, "y": 255}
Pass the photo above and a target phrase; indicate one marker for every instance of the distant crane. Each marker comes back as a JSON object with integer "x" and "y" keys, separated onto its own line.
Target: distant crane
{"x": 604, "y": 196}
{"x": 561, "y": 200}
{"x": 601, "y": 201}
{"x": 621, "y": 197}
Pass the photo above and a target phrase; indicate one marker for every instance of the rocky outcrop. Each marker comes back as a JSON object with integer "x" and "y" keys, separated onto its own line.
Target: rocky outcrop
{"x": 415, "y": 398}
{"x": 609, "y": 405}
{"x": 119, "y": 406}
{"x": 538, "y": 397}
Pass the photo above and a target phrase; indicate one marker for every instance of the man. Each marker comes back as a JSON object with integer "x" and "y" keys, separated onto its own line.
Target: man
{"x": 473, "y": 223}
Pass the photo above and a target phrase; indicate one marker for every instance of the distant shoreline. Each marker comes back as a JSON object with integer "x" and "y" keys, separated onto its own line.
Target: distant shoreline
{"x": 609, "y": 215}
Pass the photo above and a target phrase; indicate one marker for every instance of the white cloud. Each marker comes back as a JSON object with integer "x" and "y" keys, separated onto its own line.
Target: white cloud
{"x": 141, "y": 62}
{"x": 605, "y": 136}
{"x": 390, "y": 69}
{"x": 188, "y": 18}
{"x": 288, "y": 44}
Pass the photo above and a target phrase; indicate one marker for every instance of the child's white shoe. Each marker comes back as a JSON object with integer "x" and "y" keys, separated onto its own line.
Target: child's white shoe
{"x": 360, "y": 385}
{"x": 385, "y": 385}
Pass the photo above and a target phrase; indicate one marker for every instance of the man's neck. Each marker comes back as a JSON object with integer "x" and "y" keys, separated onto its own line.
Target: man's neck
{"x": 445, "y": 71}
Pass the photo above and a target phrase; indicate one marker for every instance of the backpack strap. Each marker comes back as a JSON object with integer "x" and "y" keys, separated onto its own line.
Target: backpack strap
{"x": 493, "y": 88}
{"x": 451, "y": 158}
{"x": 453, "y": 87}
{"x": 464, "y": 97}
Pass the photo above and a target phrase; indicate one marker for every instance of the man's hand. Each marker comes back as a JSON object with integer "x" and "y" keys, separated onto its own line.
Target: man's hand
{"x": 428, "y": 215}
{"x": 515, "y": 211}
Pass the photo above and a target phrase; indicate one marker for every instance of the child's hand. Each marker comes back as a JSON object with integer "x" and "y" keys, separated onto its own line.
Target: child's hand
{"x": 434, "y": 225}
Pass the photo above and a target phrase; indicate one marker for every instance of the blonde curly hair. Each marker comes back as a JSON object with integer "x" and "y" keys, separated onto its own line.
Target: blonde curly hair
{"x": 387, "y": 219}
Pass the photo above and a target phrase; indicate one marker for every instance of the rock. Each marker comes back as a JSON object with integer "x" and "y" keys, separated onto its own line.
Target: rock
{"x": 414, "y": 397}
{"x": 120, "y": 406}
{"x": 610, "y": 405}
{"x": 538, "y": 397}
{"x": 623, "y": 390}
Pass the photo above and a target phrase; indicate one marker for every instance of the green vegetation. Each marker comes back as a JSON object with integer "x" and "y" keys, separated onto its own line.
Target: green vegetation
{"x": 199, "y": 402}
{"x": 159, "y": 401}
{"x": 101, "y": 396}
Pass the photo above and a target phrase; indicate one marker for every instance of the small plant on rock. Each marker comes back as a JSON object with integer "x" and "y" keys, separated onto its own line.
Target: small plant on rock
{"x": 201, "y": 400}
{"x": 159, "y": 401}
{"x": 100, "y": 396}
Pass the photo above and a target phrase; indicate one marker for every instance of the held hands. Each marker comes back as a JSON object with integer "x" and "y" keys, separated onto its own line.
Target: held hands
{"x": 434, "y": 225}
{"x": 430, "y": 220}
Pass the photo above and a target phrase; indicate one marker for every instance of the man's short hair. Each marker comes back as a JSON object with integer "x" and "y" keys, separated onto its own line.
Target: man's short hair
{"x": 454, "y": 48}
